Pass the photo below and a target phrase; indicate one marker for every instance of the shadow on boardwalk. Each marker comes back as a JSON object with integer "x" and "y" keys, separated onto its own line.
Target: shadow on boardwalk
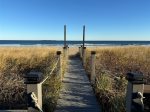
{"x": 76, "y": 94}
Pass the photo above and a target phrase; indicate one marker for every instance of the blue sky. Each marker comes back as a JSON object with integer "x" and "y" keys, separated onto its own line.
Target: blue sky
{"x": 104, "y": 19}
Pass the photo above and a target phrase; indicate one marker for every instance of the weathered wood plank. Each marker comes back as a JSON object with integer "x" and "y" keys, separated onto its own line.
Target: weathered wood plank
{"x": 76, "y": 94}
{"x": 146, "y": 88}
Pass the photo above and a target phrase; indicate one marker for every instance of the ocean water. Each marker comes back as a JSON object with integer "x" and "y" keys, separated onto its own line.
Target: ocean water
{"x": 69, "y": 43}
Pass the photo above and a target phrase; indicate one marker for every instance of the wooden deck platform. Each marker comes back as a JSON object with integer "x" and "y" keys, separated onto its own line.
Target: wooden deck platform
{"x": 76, "y": 94}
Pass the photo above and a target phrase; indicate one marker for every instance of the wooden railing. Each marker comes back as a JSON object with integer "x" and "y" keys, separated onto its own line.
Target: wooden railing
{"x": 82, "y": 53}
{"x": 34, "y": 82}
{"x": 136, "y": 87}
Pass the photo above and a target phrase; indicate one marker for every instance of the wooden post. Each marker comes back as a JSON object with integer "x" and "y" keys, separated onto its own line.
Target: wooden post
{"x": 83, "y": 40}
{"x": 65, "y": 36}
{"x": 92, "y": 78}
{"x": 81, "y": 51}
{"x": 65, "y": 53}
{"x": 59, "y": 72}
{"x": 84, "y": 56}
{"x": 34, "y": 91}
{"x": 65, "y": 48}
{"x": 134, "y": 94}
{"x": 83, "y": 36}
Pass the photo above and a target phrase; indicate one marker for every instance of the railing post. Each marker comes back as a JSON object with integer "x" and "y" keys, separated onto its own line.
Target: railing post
{"x": 81, "y": 52}
{"x": 65, "y": 52}
{"x": 92, "y": 77}
{"x": 34, "y": 91}
{"x": 134, "y": 94}
{"x": 84, "y": 55}
{"x": 59, "y": 72}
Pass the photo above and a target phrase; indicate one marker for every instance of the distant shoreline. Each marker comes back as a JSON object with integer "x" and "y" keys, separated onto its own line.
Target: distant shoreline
{"x": 70, "y": 43}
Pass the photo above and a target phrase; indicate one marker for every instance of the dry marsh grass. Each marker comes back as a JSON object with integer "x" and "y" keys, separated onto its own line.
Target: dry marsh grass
{"x": 15, "y": 62}
{"x": 112, "y": 64}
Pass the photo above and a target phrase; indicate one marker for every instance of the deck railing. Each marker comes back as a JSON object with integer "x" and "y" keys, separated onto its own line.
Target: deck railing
{"x": 136, "y": 91}
{"x": 34, "y": 83}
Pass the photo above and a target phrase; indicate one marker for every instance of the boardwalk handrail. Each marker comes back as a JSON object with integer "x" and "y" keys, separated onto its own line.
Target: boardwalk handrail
{"x": 34, "y": 83}
{"x": 35, "y": 88}
{"x": 136, "y": 89}
{"x": 54, "y": 67}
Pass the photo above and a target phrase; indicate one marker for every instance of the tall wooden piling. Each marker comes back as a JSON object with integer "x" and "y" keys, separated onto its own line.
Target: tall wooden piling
{"x": 83, "y": 36}
{"x": 65, "y": 48}
{"x": 64, "y": 35}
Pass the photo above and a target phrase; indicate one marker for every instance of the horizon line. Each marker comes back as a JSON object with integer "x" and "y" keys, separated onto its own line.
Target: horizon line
{"x": 68, "y": 40}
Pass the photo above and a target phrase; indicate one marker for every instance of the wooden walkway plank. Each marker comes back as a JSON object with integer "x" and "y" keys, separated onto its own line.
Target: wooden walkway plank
{"x": 76, "y": 94}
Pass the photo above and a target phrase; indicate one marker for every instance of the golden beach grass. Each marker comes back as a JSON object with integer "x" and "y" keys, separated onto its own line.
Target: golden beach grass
{"x": 15, "y": 62}
{"x": 112, "y": 64}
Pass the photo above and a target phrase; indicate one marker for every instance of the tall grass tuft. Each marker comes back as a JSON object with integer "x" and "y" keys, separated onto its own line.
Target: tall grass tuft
{"x": 15, "y": 62}
{"x": 112, "y": 64}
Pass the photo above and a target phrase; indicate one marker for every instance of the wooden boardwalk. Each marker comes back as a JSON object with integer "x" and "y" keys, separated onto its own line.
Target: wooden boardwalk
{"x": 76, "y": 94}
